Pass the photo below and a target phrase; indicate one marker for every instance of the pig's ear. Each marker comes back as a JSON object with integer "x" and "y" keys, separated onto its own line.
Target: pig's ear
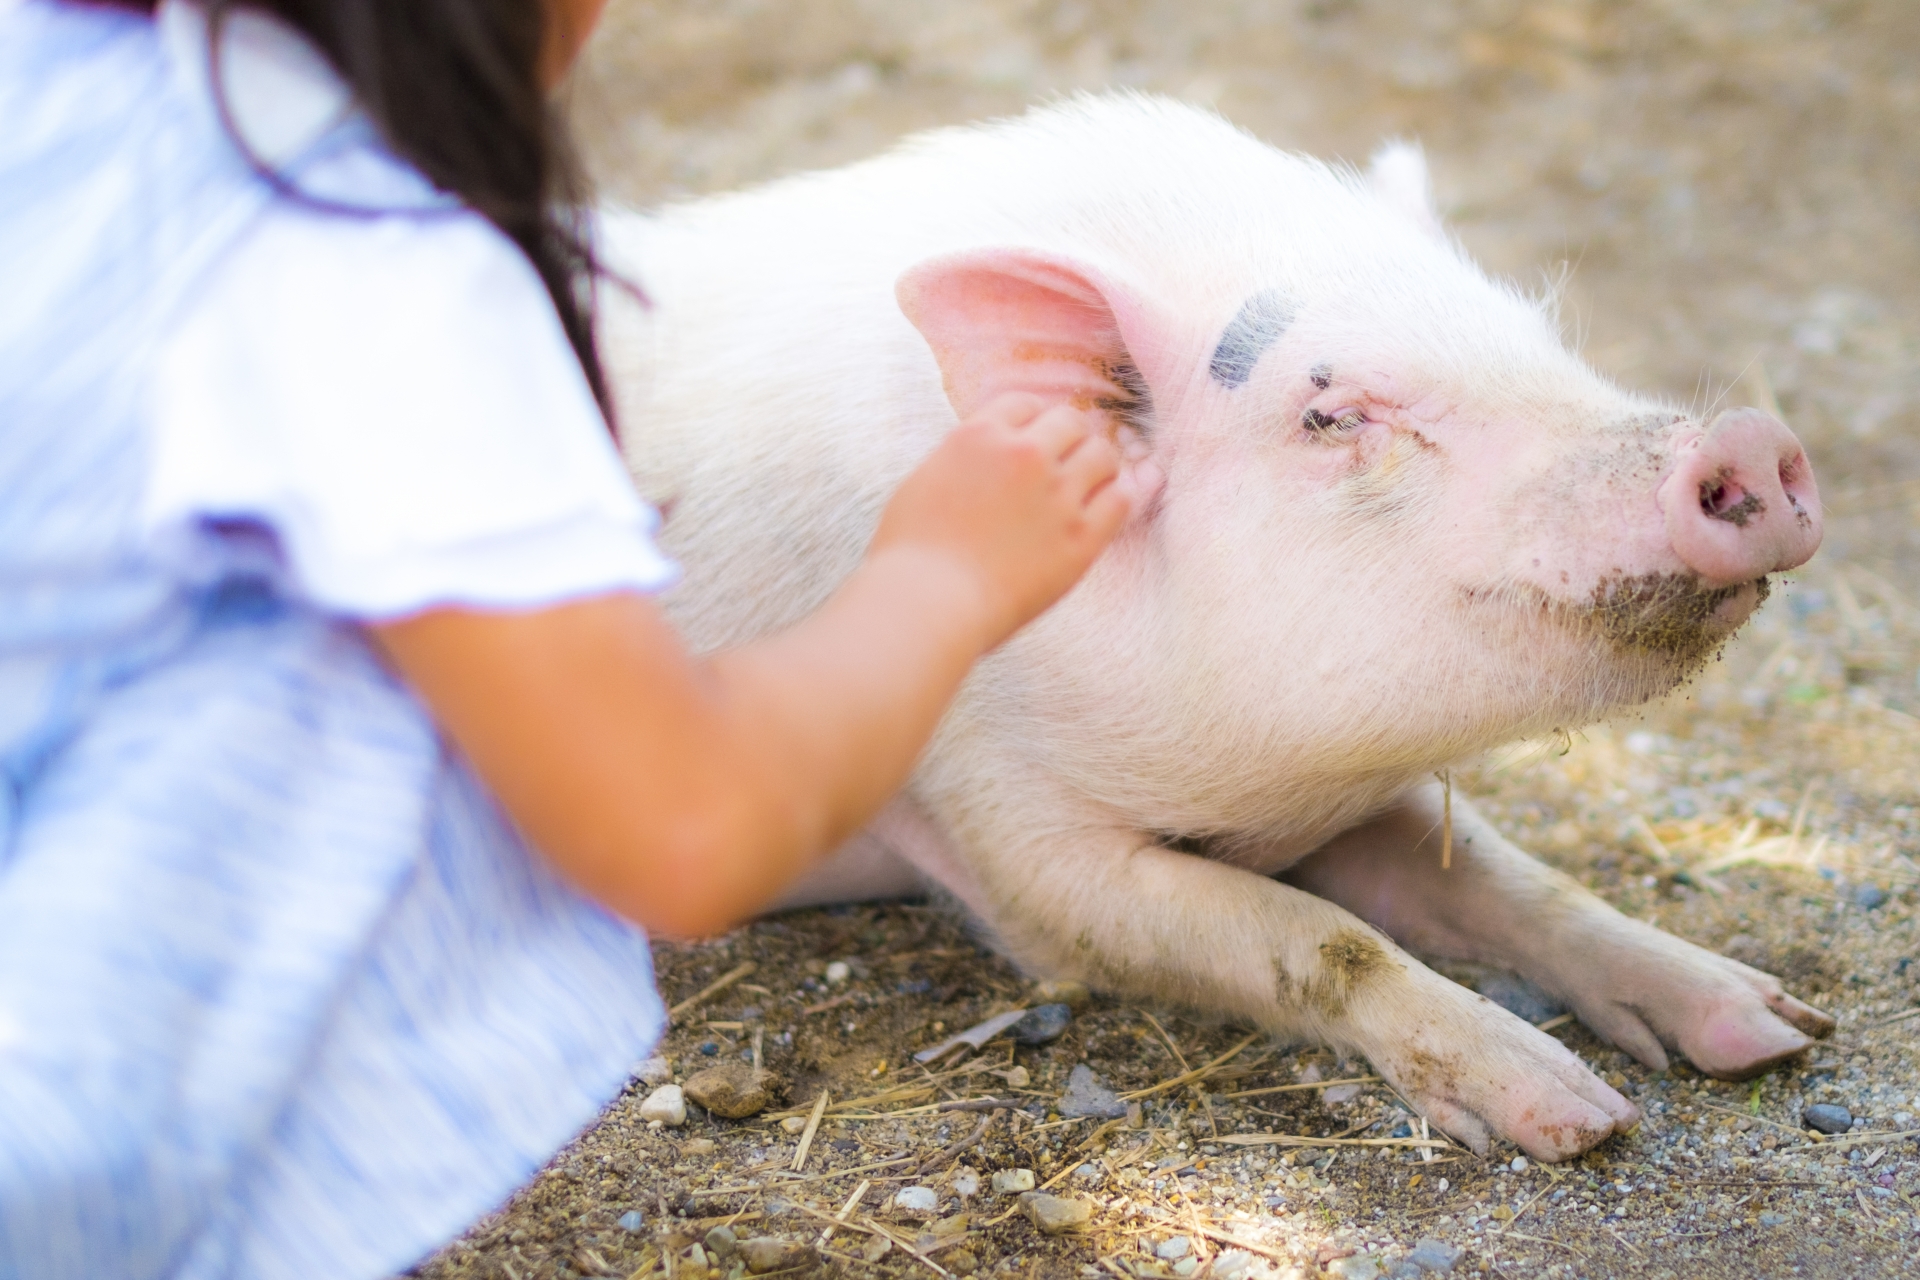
{"x": 1398, "y": 175}
{"x": 1021, "y": 320}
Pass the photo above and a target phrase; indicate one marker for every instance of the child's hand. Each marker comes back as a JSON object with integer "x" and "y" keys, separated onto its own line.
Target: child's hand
{"x": 1021, "y": 497}
{"x": 686, "y": 792}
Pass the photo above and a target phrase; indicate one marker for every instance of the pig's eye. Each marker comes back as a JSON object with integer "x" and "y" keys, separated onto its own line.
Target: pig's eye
{"x": 1332, "y": 424}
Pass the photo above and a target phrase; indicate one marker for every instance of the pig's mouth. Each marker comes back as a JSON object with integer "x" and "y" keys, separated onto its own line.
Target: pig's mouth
{"x": 1669, "y": 615}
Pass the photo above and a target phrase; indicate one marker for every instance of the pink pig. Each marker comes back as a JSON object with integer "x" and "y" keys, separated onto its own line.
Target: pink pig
{"x": 1395, "y": 523}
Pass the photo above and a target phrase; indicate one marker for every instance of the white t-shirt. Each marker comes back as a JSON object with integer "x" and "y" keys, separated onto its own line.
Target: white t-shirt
{"x": 393, "y": 395}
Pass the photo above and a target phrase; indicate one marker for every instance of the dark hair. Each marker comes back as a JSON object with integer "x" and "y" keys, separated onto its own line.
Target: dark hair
{"x": 455, "y": 87}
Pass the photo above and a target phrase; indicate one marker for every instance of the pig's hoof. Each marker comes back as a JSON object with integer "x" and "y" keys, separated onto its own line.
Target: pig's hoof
{"x": 1498, "y": 1077}
{"x": 1751, "y": 1038}
{"x": 1731, "y": 1022}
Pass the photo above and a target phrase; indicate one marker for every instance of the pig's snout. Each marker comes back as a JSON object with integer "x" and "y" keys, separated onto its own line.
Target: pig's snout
{"x": 1741, "y": 502}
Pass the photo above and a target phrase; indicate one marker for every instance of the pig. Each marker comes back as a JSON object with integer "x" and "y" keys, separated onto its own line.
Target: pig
{"x": 1390, "y": 522}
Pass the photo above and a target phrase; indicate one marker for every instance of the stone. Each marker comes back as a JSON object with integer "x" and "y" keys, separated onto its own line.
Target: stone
{"x": 1233, "y": 1264}
{"x": 1055, "y": 1215}
{"x": 1869, "y": 896}
{"x": 1341, "y": 1093}
{"x": 1063, "y": 991}
{"x": 838, "y": 972}
{"x": 966, "y": 1183}
{"x": 1086, "y": 1096}
{"x": 1357, "y": 1266}
{"x": 654, "y": 1071}
{"x": 1175, "y": 1247}
{"x": 1519, "y": 997}
{"x": 1771, "y": 1219}
{"x": 710, "y": 1048}
{"x": 960, "y": 1262}
{"x": 1518, "y": 1164}
{"x": 1430, "y": 1254}
{"x": 1042, "y": 1025}
{"x": 794, "y": 1125}
{"x": 770, "y": 1253}
{"x": 631, "y": 1220}
{"x": 876, "y": 1248}
{"x": 1185, "y": 1267}
{"x": 698, "y": 1147}
{"x": 734, "y": 1091}
{"x": 1018, "y": 1077}
{"x": 950, "y": 1226}
{"x": 1826, "y": 1117}
{"x": 667, "y": 1104}
{"x": 1011, "y": 1182}
{"x": 721, "y": 1242}
{"x": 916, "y": 1199}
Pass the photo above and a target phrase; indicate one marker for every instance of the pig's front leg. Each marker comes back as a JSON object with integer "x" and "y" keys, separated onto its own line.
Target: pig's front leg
{"x": 1071, "y": 896}
{"x": 1640, "y": 988}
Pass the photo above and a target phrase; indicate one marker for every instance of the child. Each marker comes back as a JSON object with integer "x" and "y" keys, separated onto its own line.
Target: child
{"x": 303, "y": 466}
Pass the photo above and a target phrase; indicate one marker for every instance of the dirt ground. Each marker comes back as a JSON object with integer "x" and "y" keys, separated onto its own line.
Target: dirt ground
{"x": 1729, "y": 194}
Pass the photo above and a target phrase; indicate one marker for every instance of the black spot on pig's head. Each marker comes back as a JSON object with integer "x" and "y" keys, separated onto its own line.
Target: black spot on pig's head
{"x": 1322, "y": 375}
{"x": 1262, "y": 318}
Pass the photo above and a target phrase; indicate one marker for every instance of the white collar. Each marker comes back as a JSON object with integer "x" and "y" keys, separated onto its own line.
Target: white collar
{"x": 281, "y": 92}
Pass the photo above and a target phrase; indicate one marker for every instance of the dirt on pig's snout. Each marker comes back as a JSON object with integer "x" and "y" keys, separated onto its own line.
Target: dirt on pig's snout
{"x": 1668, "y": 615}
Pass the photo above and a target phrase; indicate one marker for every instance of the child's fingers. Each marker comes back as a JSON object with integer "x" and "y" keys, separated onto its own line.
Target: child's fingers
{"x": 1061, "y": 430}
{"x": 1093, "y": 462}
{"x": 1108, "y": 508}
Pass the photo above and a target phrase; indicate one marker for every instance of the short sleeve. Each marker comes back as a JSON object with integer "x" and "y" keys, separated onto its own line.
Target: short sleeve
{"x": 394, "y": 397}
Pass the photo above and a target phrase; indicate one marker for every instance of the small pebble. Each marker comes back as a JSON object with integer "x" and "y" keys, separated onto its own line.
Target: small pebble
{"x": 1341, "y": 1093}
{"x": 721, "y": 1242}
{"x": 1086, "y": 1096}
{"x": 1771, "y": 1219}
{"x": 1433, "y": 1255}
{"x": 632, "y": 1220}
{"x": 698, "y": 1147}
{"x": 838, "y": 972}
{"x": 1869, "y": 896}
{"x": 916, "y": 1199}
{"x": 794, "y": 1124}
{"x": 966, "y": 1183}
{"x": 1826, "y": 1117}
{"x": 950, "y": 1226}
{"x": 1185, "y": 1267}
{"x": 709, "y": 1048}
{"x": 1177, "y": 1247}
{"x": 1519, "y": 1164}
{"x": 1042, "y": 1025}
{"x": 667, "y": 1104}
{"x": 734, "y": 1091}
{"x": 1359, "y": 1266}
{"x": 1519, "y": 997}
{"x": 1018, "y": 1078}
{"x": 1056, "y": 1214}
{"x": 769, "y": 1253}
{"x": 654, "y": 1071}
{"x": 1232, "y": 1265}
{"x": 877, "y": 1247}
{"x": 1009, "y": 1182}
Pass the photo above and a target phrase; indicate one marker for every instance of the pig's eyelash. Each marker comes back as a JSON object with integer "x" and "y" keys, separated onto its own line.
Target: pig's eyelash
{"x": 1324, "y": 424}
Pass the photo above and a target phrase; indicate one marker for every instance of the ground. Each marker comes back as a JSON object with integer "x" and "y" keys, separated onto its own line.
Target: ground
{"x": 1726, "y": 195}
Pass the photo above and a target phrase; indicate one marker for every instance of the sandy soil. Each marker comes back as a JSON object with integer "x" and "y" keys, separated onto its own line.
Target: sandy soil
{"x": 1728, "y": 194}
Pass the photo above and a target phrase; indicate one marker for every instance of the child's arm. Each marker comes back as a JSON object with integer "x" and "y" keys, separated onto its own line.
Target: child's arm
{"x": 685, "y": 792}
